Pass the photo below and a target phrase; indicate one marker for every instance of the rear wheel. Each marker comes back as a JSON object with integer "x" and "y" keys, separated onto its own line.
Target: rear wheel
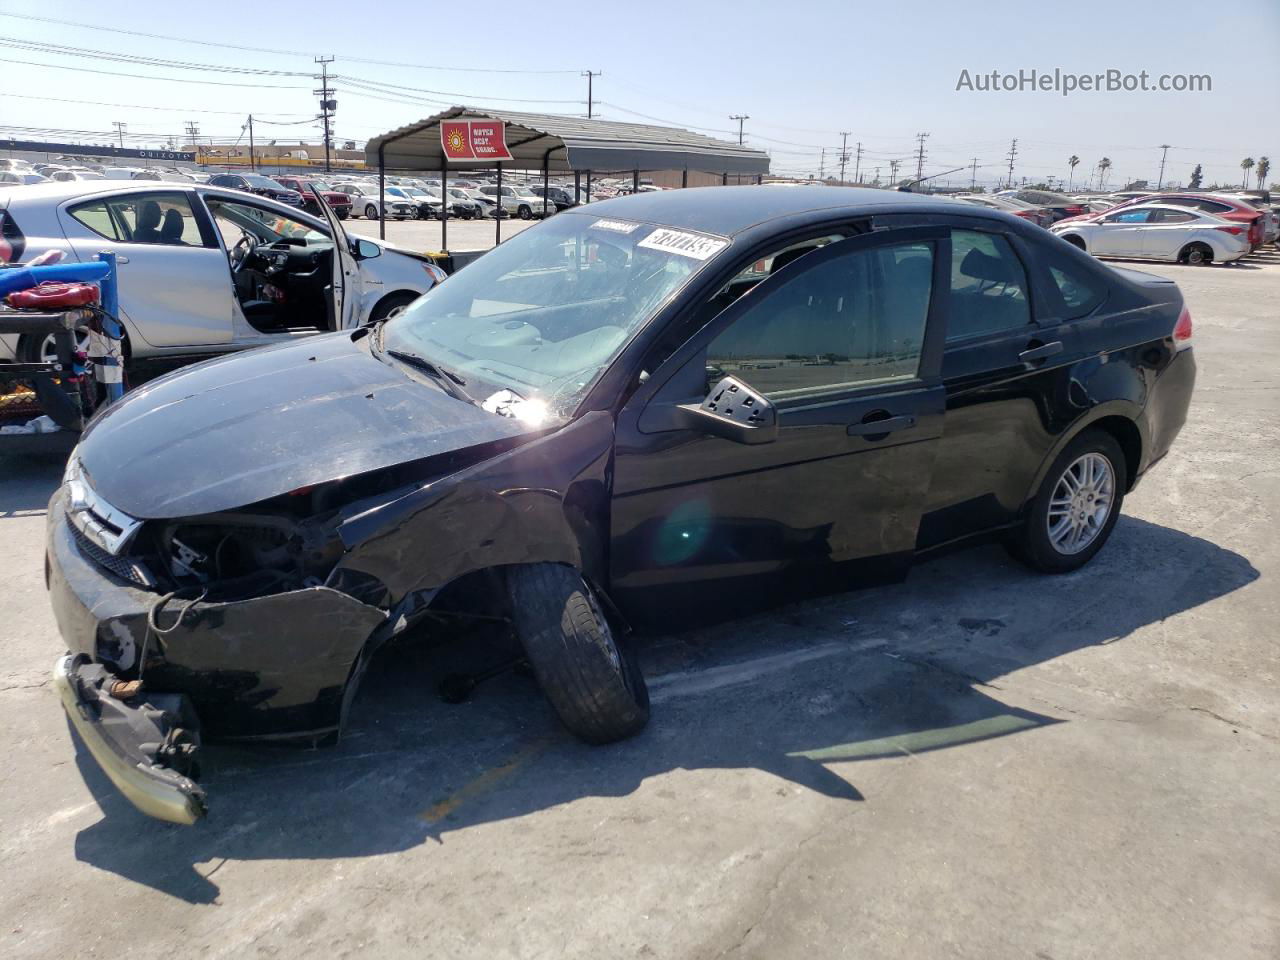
{"x": 593, "y": 683}
{"x": 1196, "y": 254}
{"x": 35, "y": 349}
{"x": 1076, "y": 507}
{"x": 525, "y": 212}
{"x": 1075, "y": 241}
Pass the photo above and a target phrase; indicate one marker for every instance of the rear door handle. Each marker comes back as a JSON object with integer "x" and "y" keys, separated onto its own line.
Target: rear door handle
{"x": 1042, "y": 352}
{"x": 876, "y": 428}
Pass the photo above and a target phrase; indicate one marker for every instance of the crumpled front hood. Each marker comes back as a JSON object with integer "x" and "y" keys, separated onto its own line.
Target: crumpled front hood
{"x": 246, "y": 427}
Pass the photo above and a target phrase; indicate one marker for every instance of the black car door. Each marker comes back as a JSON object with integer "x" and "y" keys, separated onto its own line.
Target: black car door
{"x": 840, "y": 352}
{"x": 1004, "y": 368}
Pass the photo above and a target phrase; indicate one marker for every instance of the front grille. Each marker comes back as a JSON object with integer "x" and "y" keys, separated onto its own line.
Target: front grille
{"x": 126, "y": 568}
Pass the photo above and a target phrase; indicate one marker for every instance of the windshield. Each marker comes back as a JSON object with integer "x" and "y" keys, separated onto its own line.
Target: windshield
{"x": 546, "y": 312}
{"x": 256, "y": 181}
{"x": 319, "y": 185}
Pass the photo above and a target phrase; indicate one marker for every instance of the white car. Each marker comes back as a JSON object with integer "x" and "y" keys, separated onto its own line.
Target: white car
{"x": 487, "y": 204}
{"x": 519, "y": 201}
{"x": 208, "y": 270}
{"x": 74, "y": 174}
{"x": 21, "y": 177}
{"x": 1158, "y": 231}
{"x": 365, "y": 203}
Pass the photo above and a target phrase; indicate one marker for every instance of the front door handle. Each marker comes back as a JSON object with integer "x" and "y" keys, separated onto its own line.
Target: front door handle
{"x": 1043, "y": 352}
{"x": 876, "y": 428}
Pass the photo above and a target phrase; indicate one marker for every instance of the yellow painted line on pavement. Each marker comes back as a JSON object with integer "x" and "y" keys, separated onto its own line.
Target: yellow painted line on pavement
{"x": 486, "y": 781}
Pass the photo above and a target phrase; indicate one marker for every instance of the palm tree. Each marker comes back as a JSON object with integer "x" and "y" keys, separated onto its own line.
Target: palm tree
{"x": 1264, "y": 168}
{"x": 1071, "y": 163}
{"x": 1103, "y": 166}
{"x": 1246, "y": 165}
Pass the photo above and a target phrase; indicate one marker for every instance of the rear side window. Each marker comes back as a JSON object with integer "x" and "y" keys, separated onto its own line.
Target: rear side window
{"x": 97, "y": 218}
{"x": 156, "y": 218}
{"x": 1172, "y": 216}
{"x": 1080, "y": 293}
{"x": 988, "y": 286}
{"x": 1130, "y": 216}
{"x": 854, "y": 320}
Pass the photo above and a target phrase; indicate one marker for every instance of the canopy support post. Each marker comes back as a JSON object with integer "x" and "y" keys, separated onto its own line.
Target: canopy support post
{"x": 497, "y": 220}
{"x": 444, "y": 205}
{"x": 684, "y": 178}
{"x": 546, "y": 181}
{"x": 577, "y": 186}
{"x": 382, "y": 192}
{"x": 724, "y": 179}
{"x": 635, "y": 181}
{"x": 588, "y": 186}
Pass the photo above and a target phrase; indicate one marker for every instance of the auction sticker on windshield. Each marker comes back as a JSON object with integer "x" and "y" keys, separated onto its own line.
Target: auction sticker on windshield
{"x": 615, "y": 226}
{"x": 697, "y": 246}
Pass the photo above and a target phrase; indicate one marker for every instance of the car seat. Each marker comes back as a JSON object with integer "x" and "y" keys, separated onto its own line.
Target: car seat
{"x": 148, "y": 221}
{"x": 171, "y": 232}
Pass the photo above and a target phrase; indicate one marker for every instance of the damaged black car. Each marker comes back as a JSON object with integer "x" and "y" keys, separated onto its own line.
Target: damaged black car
{"x": 658, "y": 409}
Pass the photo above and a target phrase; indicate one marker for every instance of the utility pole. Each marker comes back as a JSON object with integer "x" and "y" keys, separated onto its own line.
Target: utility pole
{"x": 876, "y": 182}
{"x": 844, "y": 153}
{"x": 251, "y": 166}
{"x": 192, "y": 132}
{"x": 857, "y": 164}
{"x": 893, "y": 171}
{"x": 120, "y": 129}
{"x": 590, "y": 75}
{"x": 822, "y": 165}
{"x": 327, "y": 105}
{"x": 973, "y": 181}
{"x": 921, "y": 137}
{"x": 1165, "y": 148}
{"x": 1013, "y": 152}
{"x": 741, "y": 118}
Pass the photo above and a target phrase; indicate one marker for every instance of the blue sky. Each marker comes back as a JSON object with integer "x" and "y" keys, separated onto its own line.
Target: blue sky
{"x": 802, "y": 71}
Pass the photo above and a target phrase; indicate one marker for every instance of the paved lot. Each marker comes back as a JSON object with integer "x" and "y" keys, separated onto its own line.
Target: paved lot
{"x": 979, "y": 762}
{"x": 424, "y": 235}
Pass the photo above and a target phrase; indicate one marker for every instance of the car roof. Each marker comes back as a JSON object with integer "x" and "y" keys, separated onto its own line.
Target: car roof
{"x": 1162, "y": 206}
{"x": 58, "y": 191}
{"x": 730, "y": 210}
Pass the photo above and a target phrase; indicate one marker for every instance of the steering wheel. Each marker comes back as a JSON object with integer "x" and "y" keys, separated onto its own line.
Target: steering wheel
{"x": 242, "y": 251}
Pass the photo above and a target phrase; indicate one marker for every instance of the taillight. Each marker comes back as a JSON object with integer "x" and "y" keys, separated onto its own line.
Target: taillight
{"x": 1182, "y": 329}
{"x": 1075, "y": 211}
{"x": 1234, "y": 231}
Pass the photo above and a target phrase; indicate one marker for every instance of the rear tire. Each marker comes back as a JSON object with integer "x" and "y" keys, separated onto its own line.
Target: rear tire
{"x": 1075, "y": 242}
{"x": 1195, "y": 254}
{"x": 594, "y": 683}
{"x": 1035, "y": 543}
{"x": 525, "y": 213}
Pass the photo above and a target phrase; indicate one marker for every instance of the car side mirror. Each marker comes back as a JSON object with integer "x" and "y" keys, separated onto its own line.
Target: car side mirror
{"x": 367, "y": 249}
{"x": 733, "y": 411}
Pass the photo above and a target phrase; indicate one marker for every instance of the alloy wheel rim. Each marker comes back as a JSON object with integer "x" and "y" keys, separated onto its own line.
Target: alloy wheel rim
{"x": 1081, "y": 503}
{"x": 49, "y": 348}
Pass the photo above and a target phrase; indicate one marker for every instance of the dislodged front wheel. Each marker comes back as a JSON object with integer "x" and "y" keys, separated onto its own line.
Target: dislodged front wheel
{"x": 1077, "y": 505}
{"x": 593, "y": 681}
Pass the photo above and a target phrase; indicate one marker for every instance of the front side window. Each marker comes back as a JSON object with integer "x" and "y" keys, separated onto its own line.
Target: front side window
{"x": 988, "y": 286}
{"x": 1130, "y": 216}
{"x": 233, "y": 220}
{"x": 855, "y": 320}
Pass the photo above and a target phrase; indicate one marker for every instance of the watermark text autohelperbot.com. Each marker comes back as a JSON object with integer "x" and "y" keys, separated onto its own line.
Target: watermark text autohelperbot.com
{"x": 1066, "y": 83}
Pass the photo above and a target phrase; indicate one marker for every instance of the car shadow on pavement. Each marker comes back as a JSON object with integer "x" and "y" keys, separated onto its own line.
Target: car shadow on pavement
{"x": 28, "y": 481}
{"x": 893, "y": 671}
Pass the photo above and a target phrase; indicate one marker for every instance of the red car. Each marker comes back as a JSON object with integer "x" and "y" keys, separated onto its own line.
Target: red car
{"x": 1228, "y": 208}
{"x": 340, "y": 202}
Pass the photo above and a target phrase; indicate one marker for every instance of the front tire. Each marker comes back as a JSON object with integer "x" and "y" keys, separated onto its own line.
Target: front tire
{"x": 525, "y": 213}
{"x": 371, "y": 212}
{"x": 594, "y": 683}
{"x": 390, "y": 306}
{"x": 1077, "y": 506}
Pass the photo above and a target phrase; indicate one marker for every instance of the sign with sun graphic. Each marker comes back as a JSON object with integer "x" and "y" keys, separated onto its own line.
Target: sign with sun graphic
{"x": 474, "y": 140}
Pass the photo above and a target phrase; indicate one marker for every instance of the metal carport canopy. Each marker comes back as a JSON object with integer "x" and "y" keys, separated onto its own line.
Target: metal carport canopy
{"x": 568, "y": 144}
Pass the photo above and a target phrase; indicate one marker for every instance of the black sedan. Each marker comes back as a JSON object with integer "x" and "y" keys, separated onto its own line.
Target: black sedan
{"x": 256, "y": 183}
{"x": 677, "y": 405}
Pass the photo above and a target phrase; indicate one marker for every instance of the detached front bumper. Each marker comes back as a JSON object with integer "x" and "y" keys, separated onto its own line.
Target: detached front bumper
{"x": 130, "y": 739}
{"x": 274, "y": 667}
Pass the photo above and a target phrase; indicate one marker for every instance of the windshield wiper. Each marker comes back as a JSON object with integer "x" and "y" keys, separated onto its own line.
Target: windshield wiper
{"x": 451, "y": 382}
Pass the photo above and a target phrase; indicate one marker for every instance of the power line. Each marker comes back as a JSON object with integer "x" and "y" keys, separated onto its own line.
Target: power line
{"x": 139, "y": 106}
{"x": 63, "y": 50}
{"x": 143, "y": 76}
{"x": 397, "y": 88}
{"x": 97, "y": 28}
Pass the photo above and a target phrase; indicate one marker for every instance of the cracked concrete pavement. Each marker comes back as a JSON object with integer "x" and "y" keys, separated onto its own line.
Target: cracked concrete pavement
{"x": 979, "y": 762}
